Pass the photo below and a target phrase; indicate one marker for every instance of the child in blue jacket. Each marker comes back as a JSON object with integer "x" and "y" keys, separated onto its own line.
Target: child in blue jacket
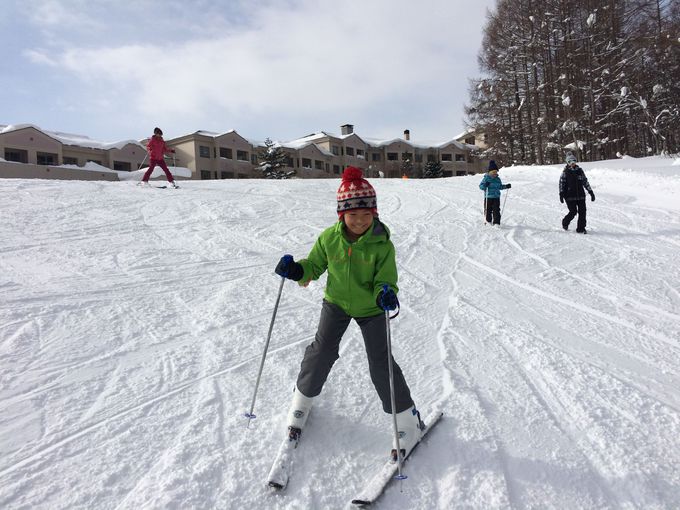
{"x": 491, "y": 185}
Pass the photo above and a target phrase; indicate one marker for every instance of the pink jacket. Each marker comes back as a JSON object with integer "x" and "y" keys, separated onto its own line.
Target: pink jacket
{"x": 157, "y": 147}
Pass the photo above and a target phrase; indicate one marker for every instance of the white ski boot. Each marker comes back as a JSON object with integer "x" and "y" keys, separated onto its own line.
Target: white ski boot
{"x": 410, "y": 429}
{"x": 298, "y": 414}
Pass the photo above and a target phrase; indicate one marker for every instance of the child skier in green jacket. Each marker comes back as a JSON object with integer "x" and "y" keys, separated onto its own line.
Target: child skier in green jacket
{"x": 360, "y": 260}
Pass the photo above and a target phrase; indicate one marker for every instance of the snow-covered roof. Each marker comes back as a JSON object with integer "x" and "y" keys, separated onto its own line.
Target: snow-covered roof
{"x": 90, "y": 165}
{"x": 215, "y": 134}
{"x": 373, "y": 142}
{"x": 465, "y": 133}
{"x": 71, "y": 139}
{"x": 306, "y": 140}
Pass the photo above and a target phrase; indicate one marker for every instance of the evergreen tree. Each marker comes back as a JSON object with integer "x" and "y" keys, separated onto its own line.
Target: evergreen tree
{"x": 406, "y": 165}
{"x": 598, "y": 77}
{"x": 433, "y": 169}
{"x": 273, "y": 162}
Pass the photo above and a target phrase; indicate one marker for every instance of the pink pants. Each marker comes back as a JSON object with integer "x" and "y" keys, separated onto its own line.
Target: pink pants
{"x": 152, "y": 165}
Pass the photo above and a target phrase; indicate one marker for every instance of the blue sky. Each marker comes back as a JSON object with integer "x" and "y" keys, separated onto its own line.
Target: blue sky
{"x": 282, "y": 69}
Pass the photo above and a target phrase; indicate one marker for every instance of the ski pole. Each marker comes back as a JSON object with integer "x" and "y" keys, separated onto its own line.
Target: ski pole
{"x": 250, "y": 414}
{"x": 506, "y": 197}
{"x": 485, "y": 207}
{"x": 393, "y": 403}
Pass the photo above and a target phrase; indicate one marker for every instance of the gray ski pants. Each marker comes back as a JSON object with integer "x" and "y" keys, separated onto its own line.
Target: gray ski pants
{"x": 324, "y": 350}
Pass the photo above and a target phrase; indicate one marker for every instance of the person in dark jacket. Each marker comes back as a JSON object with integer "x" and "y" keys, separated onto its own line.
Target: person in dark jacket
{"x": 491, "y": 185}
{"x": 573, "y": 185}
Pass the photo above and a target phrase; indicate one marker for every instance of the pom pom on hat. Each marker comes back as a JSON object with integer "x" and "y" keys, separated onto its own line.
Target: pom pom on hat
{"x": 355, "y": 192}
{"x": 492, "y": 165}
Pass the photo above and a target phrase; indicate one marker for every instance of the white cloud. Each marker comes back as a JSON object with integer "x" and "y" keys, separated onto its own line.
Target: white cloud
{"x": 300, "y": 58}
{"x": 40, "y": 57}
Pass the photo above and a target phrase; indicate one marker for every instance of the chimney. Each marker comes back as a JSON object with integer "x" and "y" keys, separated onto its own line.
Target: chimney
{"x": 407, "y": 134}
{"x": 347, "y": 129}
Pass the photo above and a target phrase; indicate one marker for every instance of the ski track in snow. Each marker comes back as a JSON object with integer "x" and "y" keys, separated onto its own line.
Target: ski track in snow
{"x": 133, "y": 320}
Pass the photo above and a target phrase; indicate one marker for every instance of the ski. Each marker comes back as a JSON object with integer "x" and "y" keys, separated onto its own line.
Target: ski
{"x": 377, "y": 485}
{"x": 278, "y": 475}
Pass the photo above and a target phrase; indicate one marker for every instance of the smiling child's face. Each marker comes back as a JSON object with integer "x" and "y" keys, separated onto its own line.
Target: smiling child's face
{"x": 358, "y": 221}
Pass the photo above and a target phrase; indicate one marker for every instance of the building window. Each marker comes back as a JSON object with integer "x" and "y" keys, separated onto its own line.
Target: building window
{"x": 16, "y": 155}
{"x": 419, "y": 158}
{"x": 203, "y": 151}
{"x": 349, "y": 151}
{"x": 406, "y": 156}
{"x": 392, "y": 156}
{"x": 430, "y": 158}
{"x": 227, "y": 175}
{"x": 460, "y": 172}
{"x": 253, "y": 159}
{"x": 226, "y": 153}
{"x": 375, "y": 156}
{"x": 68, "y": 160}
{"x": 306, "y": 163}
{"x": 122, "y": 166}
{"x": 447, "y": 157}
{"x": 335, "y": 150}
{"x": 289, "y": 161}
{"x": 460, "y": 157}
{"x": 205, "y": 175}
{"x": 318, "y": 164}
{"x": 360, "y": 153}
{"x": 242, "y": 155}
{"x": 46, "y": 158}
{"x": 242, "y": 176}
{"x": 336, "y": 169}
{"x": 328, "y": 168}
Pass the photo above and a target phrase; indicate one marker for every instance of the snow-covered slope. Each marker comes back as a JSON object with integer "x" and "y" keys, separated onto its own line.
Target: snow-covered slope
{"x": 132, "y": 322}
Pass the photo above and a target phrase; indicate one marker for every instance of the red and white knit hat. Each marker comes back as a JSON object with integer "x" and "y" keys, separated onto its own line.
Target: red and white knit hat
{"x": 355, "y": 192}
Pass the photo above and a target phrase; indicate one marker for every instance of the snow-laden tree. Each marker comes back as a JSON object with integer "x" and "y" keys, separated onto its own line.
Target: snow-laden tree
{"x": 432, "y": 170}
{"x": 274, "y": 161}
{"x": 601, "y": 75}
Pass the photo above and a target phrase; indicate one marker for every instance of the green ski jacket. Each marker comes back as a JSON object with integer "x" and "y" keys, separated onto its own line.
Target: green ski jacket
{"x": 356, "y": 271}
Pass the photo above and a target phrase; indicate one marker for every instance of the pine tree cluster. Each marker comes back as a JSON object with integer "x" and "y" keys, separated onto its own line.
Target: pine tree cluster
{"x": 600, "y": 78}
{"x": 274, "y": 162}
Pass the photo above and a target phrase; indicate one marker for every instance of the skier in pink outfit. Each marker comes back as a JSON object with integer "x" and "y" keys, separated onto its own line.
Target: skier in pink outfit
{"x": 157, "y": 149}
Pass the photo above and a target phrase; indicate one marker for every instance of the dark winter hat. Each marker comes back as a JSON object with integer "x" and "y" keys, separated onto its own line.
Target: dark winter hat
{"x": 355, "y": 192}
{"x": 492, "y": 165}
{"x": 571, "y": 158}
{"x": 157, "y": 131}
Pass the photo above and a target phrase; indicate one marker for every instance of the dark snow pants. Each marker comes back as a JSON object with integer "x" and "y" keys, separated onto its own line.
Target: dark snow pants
{"x": 492, "y": 207}
{"x": 324, "y": 350}
{"x": 576, "y": 207}
{"x": 152, "y": 165}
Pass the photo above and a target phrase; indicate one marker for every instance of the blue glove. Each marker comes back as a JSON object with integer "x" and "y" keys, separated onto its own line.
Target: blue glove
{"x": 288, "y": 268}
{"x": 387, "y": 299}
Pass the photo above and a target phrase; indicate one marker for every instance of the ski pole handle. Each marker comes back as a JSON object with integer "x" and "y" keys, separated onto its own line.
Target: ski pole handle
{"x": 287, "y": 260}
